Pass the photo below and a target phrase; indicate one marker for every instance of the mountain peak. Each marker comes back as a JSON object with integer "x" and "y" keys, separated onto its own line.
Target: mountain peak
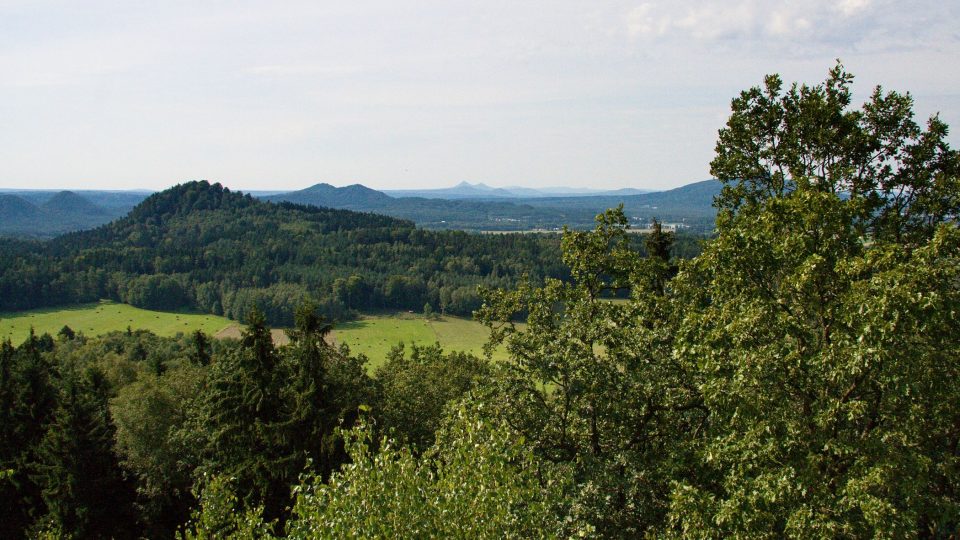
{"x": 188, "y": 197}
{"x": 349, "y": 197}
{"x": 13, "y": 207}
{"x": 68, "y": 202}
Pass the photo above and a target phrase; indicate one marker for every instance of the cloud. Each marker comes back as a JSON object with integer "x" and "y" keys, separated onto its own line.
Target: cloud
{"x": 852, "y": 7}
{"x": 288, "y": 70}
{"x": 795, "y": 26}
{"x": 546, "y": 91}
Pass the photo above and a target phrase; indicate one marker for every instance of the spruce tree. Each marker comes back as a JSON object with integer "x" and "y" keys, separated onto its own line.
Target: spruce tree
{"x": 241, "y": 419}
{"x": 309, "y": 419}
{"x": 27, "y": 400}
{"x": 83, "y": 487}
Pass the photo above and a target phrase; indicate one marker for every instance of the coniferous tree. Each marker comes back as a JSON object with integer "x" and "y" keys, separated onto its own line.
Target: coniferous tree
{"x": 658, "y": 242}
{"x": 242, "y": 419}
{"x": 310, "y": 418}
{"x": 201, "y": 348}
{"x": 27, "y": 400}
{"x": 85, "y": 493}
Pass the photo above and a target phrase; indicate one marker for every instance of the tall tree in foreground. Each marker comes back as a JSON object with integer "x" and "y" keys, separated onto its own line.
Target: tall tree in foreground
{"x": 323, "y": 391}
{"x": 822, "y": 321}
{"x": 798, "y": 379}
{"x": 242, "y": 418}
{"x": 592, "y": 383}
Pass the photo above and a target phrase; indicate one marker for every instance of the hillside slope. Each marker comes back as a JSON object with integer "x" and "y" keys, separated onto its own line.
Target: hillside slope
{"x": 204, "y": 247}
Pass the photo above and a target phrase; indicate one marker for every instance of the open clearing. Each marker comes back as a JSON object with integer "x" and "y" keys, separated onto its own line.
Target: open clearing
{"x": 375, "y": 335}
{"x": 104, "y": 317}
{"x": 235, "y": 331}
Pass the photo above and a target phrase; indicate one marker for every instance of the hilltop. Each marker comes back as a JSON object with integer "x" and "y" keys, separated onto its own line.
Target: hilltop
{"x": 353, "y": 197}
{"x": 201, "y": 246}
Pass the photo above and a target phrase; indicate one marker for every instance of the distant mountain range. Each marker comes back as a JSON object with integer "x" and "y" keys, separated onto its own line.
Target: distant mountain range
{"x": 475, "y": 207}
{"x": 688, "y": 206}
{"x": 353, "y": 197}
{"x": 466, "y": 190}
{"x": 44, "y": 214}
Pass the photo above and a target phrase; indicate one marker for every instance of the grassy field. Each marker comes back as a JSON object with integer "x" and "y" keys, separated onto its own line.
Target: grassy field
{"x": 103, "y": 317}
{"x": 374, "y": 336}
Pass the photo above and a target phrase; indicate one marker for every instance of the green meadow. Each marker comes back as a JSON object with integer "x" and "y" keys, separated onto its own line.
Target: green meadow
{"x": 100, "y": 318}
{"x": 375, "y": 335}
{"x": 372, "y": 335}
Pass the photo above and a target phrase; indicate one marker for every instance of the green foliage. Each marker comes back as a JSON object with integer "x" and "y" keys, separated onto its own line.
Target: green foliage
{"x": 218, "y": 516}
{"x": 797, "y": 379}
{"x": 267, "y": 413}
{"x": 201, "y": 246}
{"x": 149, "y": 414}
{"x": 201, "y": 348}
{"x": 898, "y": 181}
{"x": 66, "y": 333}
{"x": 83, "y": 488}
{"x": 821, "y": 321}
{"x": 794, "y": 380}
{"x": 28, "y": 397}
{"x": 479, "y": 481}
{"x": 241, "y": 418}
{"x": 593, "y": 384}
{"x": 826, "y": 378}
{"x": 415, "y": 389}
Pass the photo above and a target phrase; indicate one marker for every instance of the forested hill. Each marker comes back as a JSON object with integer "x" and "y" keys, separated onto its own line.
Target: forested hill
{"x": 204, "y": 247}
{"x": 218, "y": 213}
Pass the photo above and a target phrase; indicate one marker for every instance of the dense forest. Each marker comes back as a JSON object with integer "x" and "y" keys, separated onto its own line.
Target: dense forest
{"x": 798, "y": 378}
{"x": 200, "y": 246}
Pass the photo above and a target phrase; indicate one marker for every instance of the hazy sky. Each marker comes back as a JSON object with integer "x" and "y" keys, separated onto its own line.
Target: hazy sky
{"x": 397, "y": 94}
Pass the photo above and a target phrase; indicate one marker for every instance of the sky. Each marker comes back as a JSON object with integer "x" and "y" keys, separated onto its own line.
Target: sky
{"x": 395, "y": 94}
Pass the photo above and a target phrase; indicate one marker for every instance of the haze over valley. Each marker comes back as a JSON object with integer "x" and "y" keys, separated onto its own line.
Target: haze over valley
{"x": 44, "y": 214}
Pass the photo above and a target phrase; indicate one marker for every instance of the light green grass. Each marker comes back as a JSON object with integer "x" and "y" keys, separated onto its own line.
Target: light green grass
{"x": 372, "y": 335}
{"x": 104, "y": 317}
{"x": 375, "y": 335}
